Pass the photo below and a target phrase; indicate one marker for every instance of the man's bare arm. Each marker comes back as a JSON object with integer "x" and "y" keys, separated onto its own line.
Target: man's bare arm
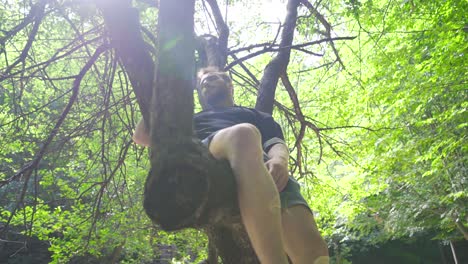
{"x": 279, "y": 151}
{"x": 141, "y": 135}
{"x": 277, "y": 165}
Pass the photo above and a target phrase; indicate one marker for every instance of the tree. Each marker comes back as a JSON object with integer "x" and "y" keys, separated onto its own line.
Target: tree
{"x": 374, "y": 93}
{"x": 186, "y": 187}
{"x": 129, "y": 45}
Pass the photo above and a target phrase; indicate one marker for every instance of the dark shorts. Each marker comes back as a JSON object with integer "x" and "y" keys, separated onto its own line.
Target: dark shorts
{"x": 290, "y": 195}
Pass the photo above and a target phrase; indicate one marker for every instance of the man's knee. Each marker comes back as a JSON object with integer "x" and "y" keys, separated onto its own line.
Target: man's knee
{"x": 243, "y": 137}
{"x": 245, "y": 131}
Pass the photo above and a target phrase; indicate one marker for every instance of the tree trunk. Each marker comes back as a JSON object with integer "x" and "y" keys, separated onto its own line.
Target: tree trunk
{"x": 186, "y": 186}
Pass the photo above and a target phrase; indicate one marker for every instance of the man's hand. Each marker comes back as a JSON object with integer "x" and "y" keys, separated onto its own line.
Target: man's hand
{"x": 278, "y": 168}
{"x": 141, "y": 135}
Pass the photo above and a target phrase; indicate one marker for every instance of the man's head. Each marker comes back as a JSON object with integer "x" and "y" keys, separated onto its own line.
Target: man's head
{"x": 215, "y": 87}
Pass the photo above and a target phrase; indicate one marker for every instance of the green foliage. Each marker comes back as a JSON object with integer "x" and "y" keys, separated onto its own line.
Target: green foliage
{"x": 407, "y": 81}
{"x": 85, "y": 196}
{"x": 390, "y": 162}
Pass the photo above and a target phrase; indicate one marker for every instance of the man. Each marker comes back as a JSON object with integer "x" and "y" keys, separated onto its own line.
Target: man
{"x": 253, "y": 144}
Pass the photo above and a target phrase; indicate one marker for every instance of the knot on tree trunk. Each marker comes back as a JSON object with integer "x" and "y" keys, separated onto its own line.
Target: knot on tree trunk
{"x": 186, "y": 187}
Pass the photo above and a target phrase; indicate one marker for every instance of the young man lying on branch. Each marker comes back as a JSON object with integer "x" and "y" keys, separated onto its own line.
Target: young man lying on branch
{"x": 275, "y": 215}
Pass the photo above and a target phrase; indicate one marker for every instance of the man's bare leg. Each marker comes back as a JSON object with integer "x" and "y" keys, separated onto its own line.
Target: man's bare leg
{"x": 303, "y": 242}
{"x": 258, "y": 197}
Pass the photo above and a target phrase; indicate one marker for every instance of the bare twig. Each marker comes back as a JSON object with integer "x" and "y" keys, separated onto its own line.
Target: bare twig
{"x": 249, "y": 73}
{"x": 53, "y": 58}
{"x": 327, "y": 26}
{"x": 32, "y": 35}
{"x": 300, "y": 116}
{"x": 275, "y": 48}
{"x": 36, "y": 10}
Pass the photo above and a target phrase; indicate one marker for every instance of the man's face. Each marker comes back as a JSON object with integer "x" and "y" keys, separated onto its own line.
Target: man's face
{"x": 216, "y": 89}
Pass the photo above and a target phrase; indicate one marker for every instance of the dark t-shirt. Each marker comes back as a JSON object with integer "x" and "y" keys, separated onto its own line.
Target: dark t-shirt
{"x": 209, "y": 121}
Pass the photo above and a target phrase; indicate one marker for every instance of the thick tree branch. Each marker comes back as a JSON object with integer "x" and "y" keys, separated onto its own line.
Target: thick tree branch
{"x": 210, "y": 52}
{"x": 278, "y": 64}
{"x": 123, "y": 23}
{"x": 223, "y": 33}
{"x": 213, "y": 50}
{"x": 172, "y": 106}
